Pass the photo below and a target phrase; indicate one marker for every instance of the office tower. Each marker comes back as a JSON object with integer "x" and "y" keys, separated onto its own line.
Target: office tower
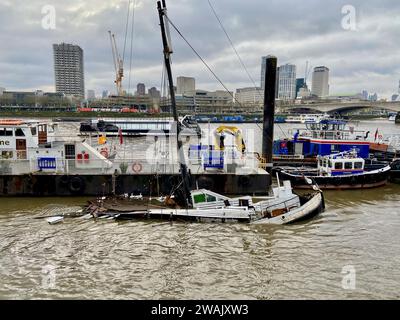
{"x": 320, "y": 82}
{"x": 68, "y": 69}
{"x": 154, "y": 93}
{"x": 141, "y": 89}
{"x": 186, "y": 86}
{"x": 287, "y": 82}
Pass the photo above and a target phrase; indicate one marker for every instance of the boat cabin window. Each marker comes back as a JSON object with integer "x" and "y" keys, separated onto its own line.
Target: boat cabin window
{"x": 330, "y": 164}
{"x": 6, "y": 155}
{"x": 4, "y": 132}
{"x": 33, "y": 131}
{"x": 199, "y": 198}
{"x": 348, "y": 165}
{"x": 338, "y": 165}
{"x": 19, "y": 132}
{"x": 358, "y": 165}
{"x": 211, "y": 198}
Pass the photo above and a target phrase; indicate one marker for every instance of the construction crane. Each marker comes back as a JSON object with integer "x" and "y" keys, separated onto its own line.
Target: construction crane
{"x": 307, "y": 73}
{"x": 118, "y": 65}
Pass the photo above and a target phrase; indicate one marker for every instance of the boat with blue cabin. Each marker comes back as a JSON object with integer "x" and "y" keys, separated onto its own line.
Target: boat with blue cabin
{"x": 327, "y": 137}
{"x": 344, "y": 170}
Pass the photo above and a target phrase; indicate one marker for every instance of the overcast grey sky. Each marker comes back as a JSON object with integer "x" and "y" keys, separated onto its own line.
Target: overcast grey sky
{"x": 293, "y": 30}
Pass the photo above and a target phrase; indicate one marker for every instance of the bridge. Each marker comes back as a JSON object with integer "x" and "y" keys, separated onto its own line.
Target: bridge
{"x": 342, "y": 107}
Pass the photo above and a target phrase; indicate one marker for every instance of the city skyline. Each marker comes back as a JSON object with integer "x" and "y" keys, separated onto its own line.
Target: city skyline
{"x": 362, "y": 59}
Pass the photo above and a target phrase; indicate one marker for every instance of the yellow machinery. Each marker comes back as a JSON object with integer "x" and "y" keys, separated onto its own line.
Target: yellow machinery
{"x": 234, "y": 131}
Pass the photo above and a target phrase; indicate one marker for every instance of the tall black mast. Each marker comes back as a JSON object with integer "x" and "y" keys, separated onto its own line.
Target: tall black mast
{"x": 167, "y": 60}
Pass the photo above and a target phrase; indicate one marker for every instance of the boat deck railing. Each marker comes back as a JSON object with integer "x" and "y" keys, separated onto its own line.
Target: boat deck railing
{"x": 333, "y": 134}
{"x": 131, "y": 166}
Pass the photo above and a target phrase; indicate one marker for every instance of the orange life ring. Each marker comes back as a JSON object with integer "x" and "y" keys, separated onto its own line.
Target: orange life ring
{"x": 104, "y": 152}
{"x": 136, "y": 167}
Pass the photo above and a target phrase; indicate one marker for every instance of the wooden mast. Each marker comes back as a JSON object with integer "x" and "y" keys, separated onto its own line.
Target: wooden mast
{"x": 167, "y": 60}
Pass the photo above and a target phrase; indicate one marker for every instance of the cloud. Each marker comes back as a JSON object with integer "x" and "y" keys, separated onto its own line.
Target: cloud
{"x": 295, "y": 31}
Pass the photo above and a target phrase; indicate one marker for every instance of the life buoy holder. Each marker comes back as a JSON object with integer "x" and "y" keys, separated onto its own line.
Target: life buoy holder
{"x": 137, "y": 167}
{"x": 104, "y": 152}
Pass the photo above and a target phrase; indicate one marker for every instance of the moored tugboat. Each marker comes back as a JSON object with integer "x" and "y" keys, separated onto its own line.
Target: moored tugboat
{"x": 343, "y": 170}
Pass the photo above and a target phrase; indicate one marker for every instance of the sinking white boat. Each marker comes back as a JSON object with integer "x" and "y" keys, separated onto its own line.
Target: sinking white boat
{"x": 282, "y": 207}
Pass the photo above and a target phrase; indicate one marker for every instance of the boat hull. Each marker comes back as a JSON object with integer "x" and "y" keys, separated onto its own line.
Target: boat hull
{"x": 367, "y": 180}
{"x": 147, "y": 184}
{"x": 311, "y": 205}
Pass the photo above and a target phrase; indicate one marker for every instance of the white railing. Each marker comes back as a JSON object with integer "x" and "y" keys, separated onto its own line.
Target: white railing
{"x": 132, "y": 166}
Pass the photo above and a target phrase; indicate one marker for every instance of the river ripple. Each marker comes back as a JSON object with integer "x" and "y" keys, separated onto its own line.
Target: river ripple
{"x": 162, "y": 260}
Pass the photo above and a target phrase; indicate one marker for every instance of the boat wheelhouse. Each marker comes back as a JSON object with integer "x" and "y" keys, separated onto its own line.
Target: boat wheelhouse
{"x": 322, "y": 139}
{"x": 341, "y": 164}
{"x": 39, "y": 146}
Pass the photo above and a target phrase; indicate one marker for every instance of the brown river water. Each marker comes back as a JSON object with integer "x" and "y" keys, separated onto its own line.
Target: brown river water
{"x": 351, "y": 251}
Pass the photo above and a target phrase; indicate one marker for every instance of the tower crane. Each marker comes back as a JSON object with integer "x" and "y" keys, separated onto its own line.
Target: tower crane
{"x": 118, "y": 65}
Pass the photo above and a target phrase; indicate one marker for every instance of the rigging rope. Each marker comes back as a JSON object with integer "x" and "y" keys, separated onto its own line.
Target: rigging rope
{"x": 202, "y": 60}
{"x": 259, "y": 91}
{"x": 234, "y": 49}
{"x": 131, "y": 52}
{"x": 126, "y": 30}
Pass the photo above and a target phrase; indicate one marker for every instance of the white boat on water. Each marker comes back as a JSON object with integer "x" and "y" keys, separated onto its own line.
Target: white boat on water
{"x": 307, "y": 118}
{"x": 392, "y": 117}
{"x": 282, "y": 207}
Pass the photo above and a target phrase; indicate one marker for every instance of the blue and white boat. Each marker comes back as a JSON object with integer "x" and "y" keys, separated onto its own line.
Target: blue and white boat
{"x": 321, "y": 139}
{"x": 345, "y": 170}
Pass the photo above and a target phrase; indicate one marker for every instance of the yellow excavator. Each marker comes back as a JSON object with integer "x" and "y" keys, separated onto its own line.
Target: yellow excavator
{"x": 219, "y": 135}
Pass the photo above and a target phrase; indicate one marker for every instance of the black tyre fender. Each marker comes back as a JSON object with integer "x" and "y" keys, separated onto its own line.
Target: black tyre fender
{"x": 76, "y": 185}
{"x": 64, "y": 180}
{"x": 244, "y": 181}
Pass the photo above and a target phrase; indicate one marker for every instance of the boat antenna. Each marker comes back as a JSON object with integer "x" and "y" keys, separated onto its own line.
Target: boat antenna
{"x": 162, "y": 9}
